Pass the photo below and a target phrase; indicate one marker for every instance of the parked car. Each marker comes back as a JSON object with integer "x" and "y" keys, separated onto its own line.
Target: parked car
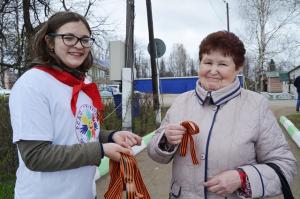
{"x": 4, "y": 91}
{"x": 105, "y": 93}
{"x": 115, "y": 89}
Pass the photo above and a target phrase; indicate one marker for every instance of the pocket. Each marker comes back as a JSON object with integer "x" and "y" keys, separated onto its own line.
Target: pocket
{"x": 175, "y": 191}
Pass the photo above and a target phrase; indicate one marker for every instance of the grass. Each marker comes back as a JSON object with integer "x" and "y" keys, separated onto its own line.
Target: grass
{"x": 7, "y": 184}
{"x": 295, "y": 119}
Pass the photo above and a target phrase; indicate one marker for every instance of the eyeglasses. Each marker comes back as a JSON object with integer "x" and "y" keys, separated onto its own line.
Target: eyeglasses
{"x": 72, "y": 40}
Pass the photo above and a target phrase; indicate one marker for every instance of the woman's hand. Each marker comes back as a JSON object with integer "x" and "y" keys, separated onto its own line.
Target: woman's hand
{"x": 174, "y": 133}
{"x": 224, "y": 183}
{"x": 113, "y": 151}
{"x": 126, "y": 139}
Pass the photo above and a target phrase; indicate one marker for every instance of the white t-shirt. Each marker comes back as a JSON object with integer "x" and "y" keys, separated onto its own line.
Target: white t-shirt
{"x": 40, "y": 110}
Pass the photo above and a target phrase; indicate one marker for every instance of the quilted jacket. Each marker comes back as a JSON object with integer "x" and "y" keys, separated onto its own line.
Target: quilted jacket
{"x": 237, "y": 130}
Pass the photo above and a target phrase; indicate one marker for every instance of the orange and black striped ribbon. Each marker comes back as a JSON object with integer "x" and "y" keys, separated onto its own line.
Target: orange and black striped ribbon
{"x": 192, "y": 128}
{"x": 125, "y": 175}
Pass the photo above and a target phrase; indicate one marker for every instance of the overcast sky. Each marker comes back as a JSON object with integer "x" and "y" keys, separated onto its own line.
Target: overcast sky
{"x": 174, "y": 21}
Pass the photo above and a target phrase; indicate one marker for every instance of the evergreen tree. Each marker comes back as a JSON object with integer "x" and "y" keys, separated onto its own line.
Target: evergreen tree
{"x": 271, "y": 65}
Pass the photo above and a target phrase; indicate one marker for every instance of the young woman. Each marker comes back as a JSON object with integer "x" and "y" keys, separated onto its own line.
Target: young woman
{"x": 55, "y": 116}
{"x": 238, "y": 132}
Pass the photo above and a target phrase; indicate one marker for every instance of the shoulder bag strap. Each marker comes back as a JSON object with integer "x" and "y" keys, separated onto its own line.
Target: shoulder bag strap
{"x": 286, "y": 190}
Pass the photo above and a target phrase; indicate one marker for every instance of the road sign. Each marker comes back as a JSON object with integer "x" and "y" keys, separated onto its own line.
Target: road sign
{"x": 160, "y": 47}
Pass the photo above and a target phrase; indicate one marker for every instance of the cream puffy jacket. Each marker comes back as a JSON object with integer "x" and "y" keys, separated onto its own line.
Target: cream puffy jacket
{"x": 237, "y": 130}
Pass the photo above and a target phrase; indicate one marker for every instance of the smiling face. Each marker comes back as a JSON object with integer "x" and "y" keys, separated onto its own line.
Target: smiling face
{"x": 216, "y": 70}
{"x": 72, "y": 56}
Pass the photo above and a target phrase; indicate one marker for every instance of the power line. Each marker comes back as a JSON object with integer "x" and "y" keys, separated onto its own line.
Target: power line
{"x": 213, "y": 8}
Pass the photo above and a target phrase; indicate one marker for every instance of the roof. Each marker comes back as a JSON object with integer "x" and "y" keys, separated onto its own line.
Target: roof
{"x": 272, "y": 74}
{"x": 296, "y": 68}
{"x": 284, "y": 76}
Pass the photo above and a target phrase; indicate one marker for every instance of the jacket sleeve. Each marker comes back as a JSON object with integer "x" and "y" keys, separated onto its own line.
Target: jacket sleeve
{"x": 158, "y": 144}
{"x": 270, "y": 146}
{"x": 105, "y": 136}
{"x": 297, "y": 81}
{"x": 45, "y": 156}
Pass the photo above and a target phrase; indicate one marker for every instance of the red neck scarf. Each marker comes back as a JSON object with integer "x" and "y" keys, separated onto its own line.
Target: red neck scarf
{"x": 78, "y": 85}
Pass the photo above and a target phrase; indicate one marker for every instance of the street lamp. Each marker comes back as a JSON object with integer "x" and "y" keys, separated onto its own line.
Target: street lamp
{"x": 227, "y": 11}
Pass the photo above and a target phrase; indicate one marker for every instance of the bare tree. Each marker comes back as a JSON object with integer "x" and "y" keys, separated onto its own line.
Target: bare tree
{"x": 162, "y": 68}
{"x": 140, "y": 61}
{"x": 271, "y": 65}
{"x": 21, "y": 19}
{"x": 246, "y": 67}
{"x": 192, "y": 67}
{"x": 178, "y": 60}
{"x": 8, "y": 42}
{"x": 266, "y": 20}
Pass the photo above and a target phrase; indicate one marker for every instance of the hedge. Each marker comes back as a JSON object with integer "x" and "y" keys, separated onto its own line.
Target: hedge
{"x": 8, "y": 152}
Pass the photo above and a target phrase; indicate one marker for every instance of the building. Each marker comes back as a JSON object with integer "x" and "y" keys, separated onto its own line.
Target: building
{"x": 272, "y": 83}
{"x": 99, "y": 74}
{"x": 275, "y": 82}
{"x": 292, "y": 74}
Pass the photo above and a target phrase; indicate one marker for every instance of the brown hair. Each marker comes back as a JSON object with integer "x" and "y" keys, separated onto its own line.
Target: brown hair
{"x": 226, "y": 42}
{"x": 43, "y": 55}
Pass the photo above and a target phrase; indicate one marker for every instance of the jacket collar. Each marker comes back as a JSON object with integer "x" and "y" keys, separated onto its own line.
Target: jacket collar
{"x": 220, "y": 96}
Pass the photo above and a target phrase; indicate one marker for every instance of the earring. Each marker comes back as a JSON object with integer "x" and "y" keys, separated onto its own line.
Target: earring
{"x": 52, "y": 50}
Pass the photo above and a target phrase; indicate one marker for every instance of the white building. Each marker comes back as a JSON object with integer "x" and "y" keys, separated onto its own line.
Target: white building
{"x": 292, "y": 75}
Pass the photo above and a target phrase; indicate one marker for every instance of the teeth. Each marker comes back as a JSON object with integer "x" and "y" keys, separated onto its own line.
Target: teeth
{"x": 77, "y": 54}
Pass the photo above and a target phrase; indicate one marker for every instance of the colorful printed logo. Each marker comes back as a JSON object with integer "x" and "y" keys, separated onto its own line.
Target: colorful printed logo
{"x": 87, "y": 124}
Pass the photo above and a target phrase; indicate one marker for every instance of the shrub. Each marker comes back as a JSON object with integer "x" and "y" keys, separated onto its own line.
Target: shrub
{"x": 111, "y": 120}
{"x": 8, "y": 153}
{"x": 7, "y": 185}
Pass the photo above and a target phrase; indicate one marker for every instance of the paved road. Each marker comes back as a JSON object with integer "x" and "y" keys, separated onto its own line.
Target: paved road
{"x": 157, "y": 176}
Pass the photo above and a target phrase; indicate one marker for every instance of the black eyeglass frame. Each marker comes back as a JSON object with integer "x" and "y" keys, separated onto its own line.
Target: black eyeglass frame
{"x": 92, "y": 40}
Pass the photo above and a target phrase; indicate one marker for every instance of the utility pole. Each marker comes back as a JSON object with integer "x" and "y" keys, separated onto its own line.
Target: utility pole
{"x": 129, "y": 53}
{"x": 153, "y": 63}
{"x": 227, "y": 11}
{"x": 127, "y": 72}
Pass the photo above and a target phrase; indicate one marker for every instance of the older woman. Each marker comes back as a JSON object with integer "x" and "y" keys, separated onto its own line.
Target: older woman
{"x": 238, "y": 132}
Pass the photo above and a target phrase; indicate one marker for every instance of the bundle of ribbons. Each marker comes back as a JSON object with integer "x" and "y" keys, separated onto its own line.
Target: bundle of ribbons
{"x": 125, "y": 175}
{"x": 192, "y": 129}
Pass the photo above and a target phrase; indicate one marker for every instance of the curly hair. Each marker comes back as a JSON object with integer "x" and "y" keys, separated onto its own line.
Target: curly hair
{"x": 226, "y": 42}
{"x": 43, "y": 55}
